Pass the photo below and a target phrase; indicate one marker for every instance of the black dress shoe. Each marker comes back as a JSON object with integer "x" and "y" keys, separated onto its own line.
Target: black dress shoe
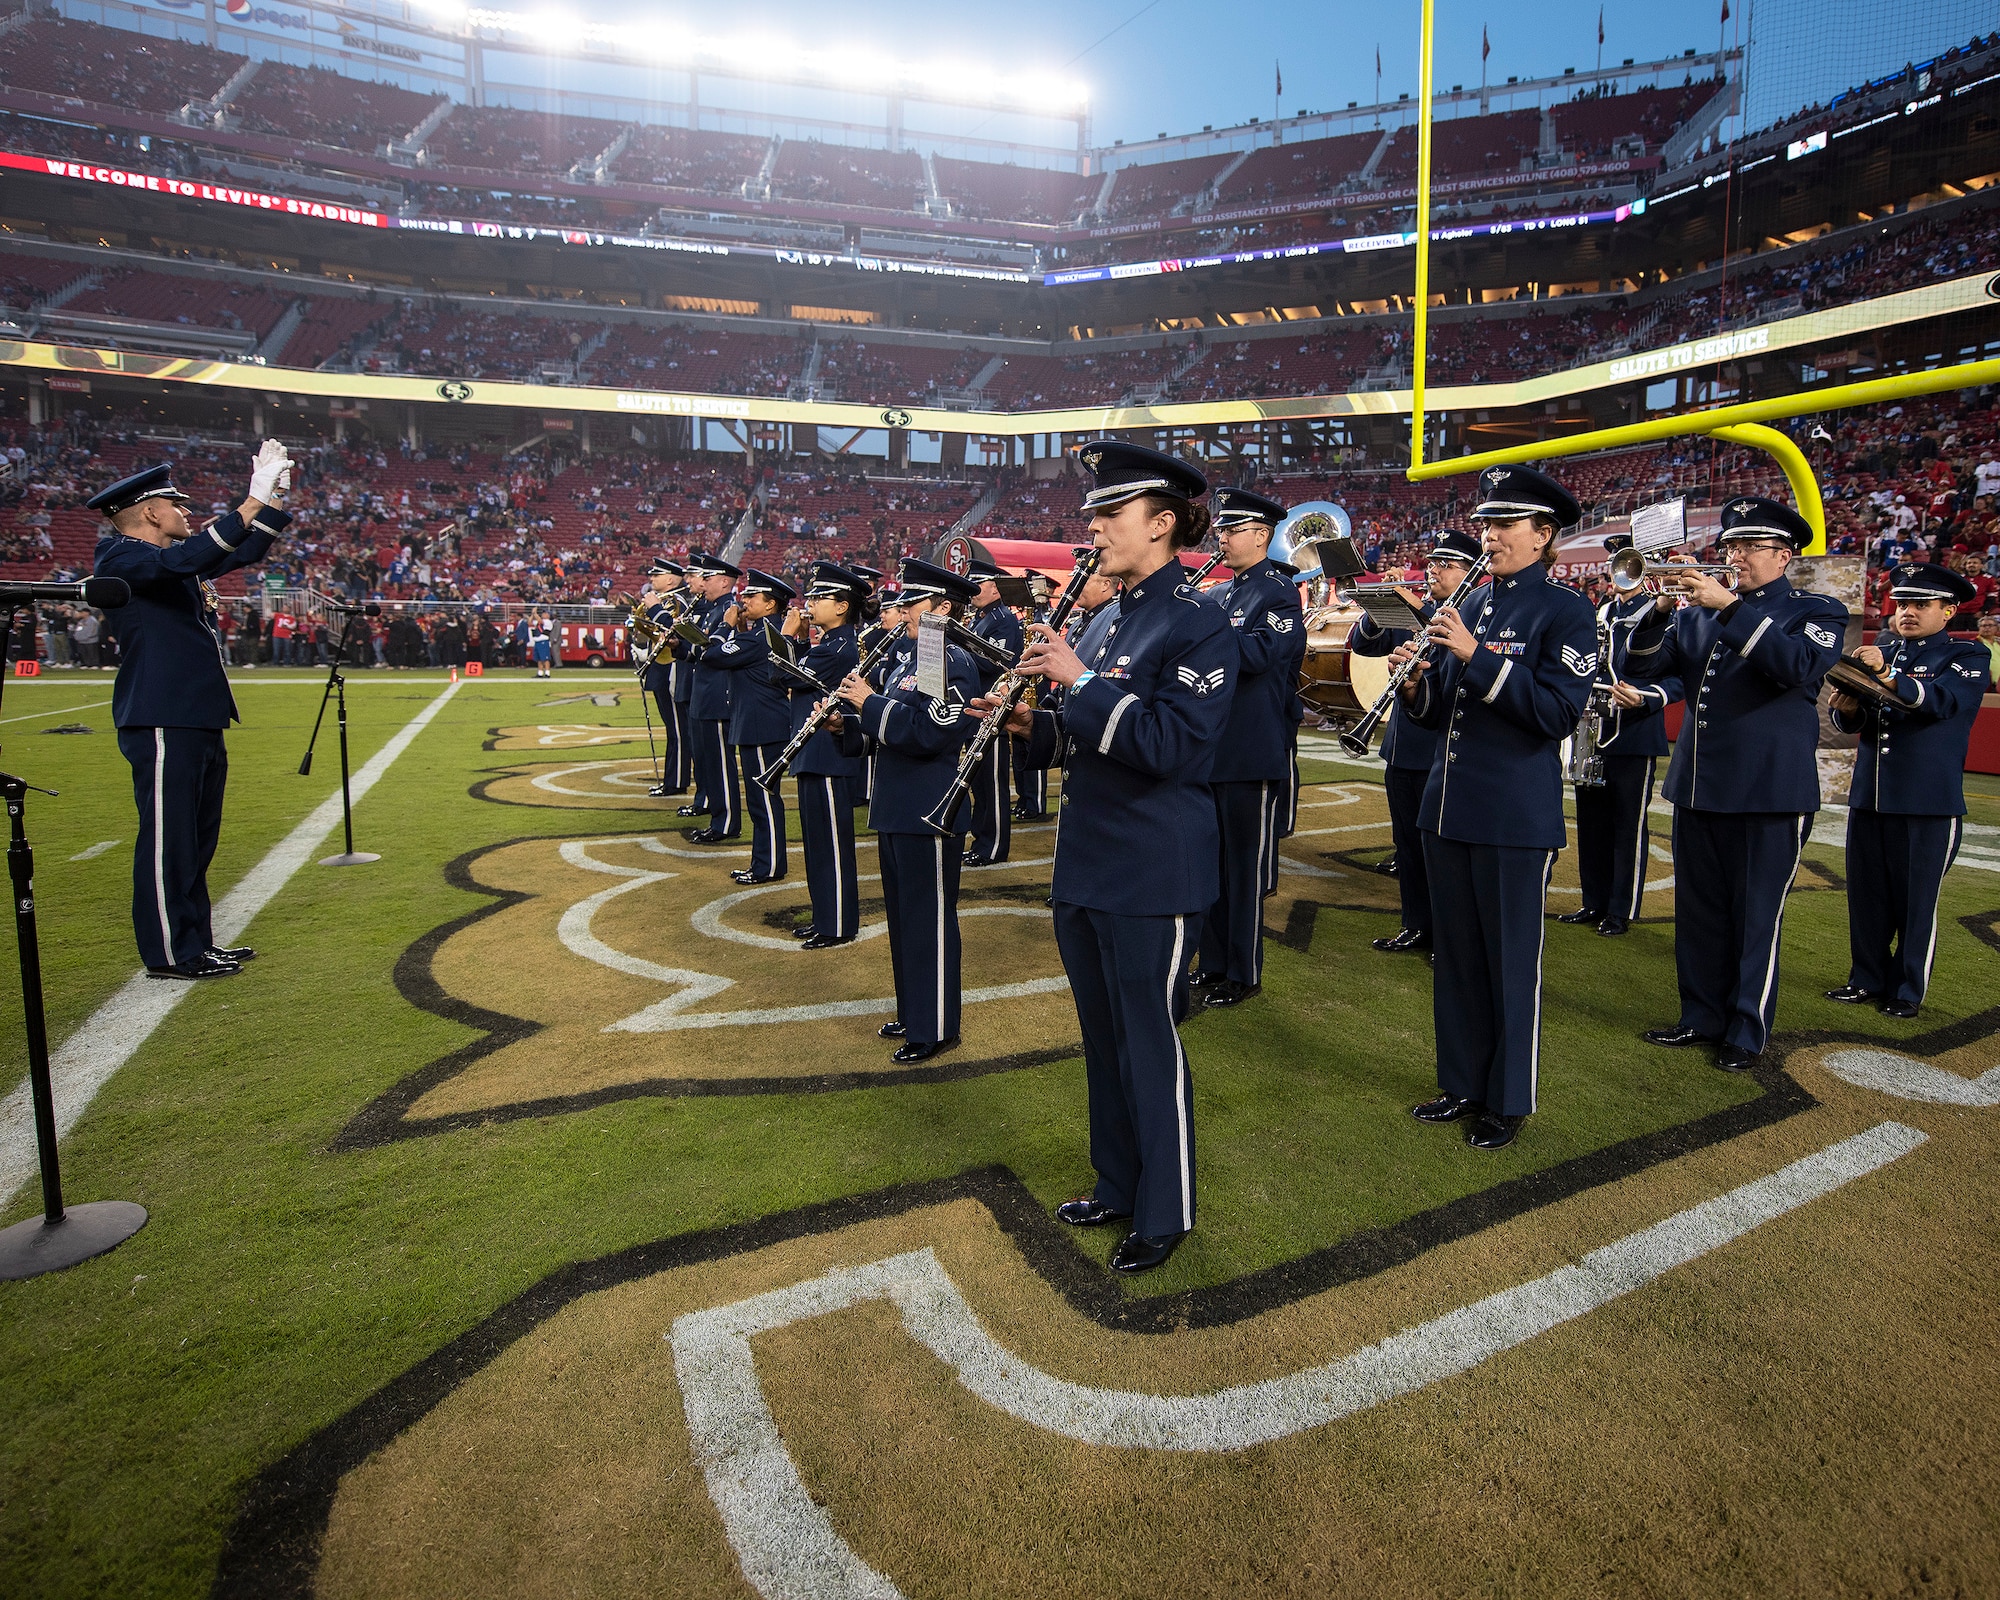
{"x": 1612, "y": 927}
{"x": 1447, "y": 1108}
{"x": 240, "y": 954}
{"x": 807, "y": 932}
{"x": 1204, "y": 980}
{"x": 1579, "y": 918}
{"x": 977, "y": 861}
{"x": 1849, "y": 994}
{"x": 1031, "y": 816}
{"x": 1493, "y": 1132}
{"x": 698, "y": 836}
{"x": 1230, "y": 993}
{"x": 745, "y": 875}
{"x": 689, "y": 811}
{"x": 1386, "y": 866}
{"x": 889, "y": 1030}
{"x": 1904, "y": 1010}
{"x": 1403, "y": 939}
{"x": 922, "y": 1052}
{"x": 660, "y": 791}
{"x": 1734, "y": 1058}
{"x": 1135, "y": 1254}
{"x": 197, "y": 967}
{"x": 825, "y": 941}
{"x": 1085, "y": 1212}
{"x": 1675, "y": 1038}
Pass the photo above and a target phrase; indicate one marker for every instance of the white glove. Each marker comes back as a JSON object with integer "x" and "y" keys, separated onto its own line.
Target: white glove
{"x": 270, "y": 473}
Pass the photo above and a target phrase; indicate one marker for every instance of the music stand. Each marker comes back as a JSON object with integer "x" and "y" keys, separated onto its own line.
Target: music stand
{"x": 63, "y": 1235}
{"x": 336, "y": 689}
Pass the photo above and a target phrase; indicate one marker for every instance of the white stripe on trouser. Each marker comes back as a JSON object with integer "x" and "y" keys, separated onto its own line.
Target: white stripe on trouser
{"x": 1778, "y": 933}
{"x": 1637, "y": 897}
{"x": 833, "y": 845}
{"x": 160, "y": 841}
{"x": 939, "y": 844}
{"x": 1180, "y": 1078}
{"x": 777, "y": 853}
{"x": 1950, "y": 854}
{"x": 1541, "y": 943}
{"x": 1266, "y": 822}
{"x": 721, "y": 797}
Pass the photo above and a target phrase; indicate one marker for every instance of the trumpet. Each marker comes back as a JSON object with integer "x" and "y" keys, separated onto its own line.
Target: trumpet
{"x": 1631, "y": 572}
{"x": 1006, "y": 693}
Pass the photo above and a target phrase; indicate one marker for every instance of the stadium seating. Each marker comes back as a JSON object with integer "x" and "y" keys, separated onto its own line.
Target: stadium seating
{"x": 983, "y": 189}
{"x": 24, "y": 280}
{"x": 328, "y": 328}
{"x": 161, "y": 297}
{"x": 329, "y": 108}
{"x": 1297, "y": 171}
{"x": 453, "y": 342}
{"x": 1154, "y": 190}
{"x": 682, "y": 158}
{"x": 1590, "y": 125}
{"x": 847, "y": 175}
{"x": 885, "y": 374}
{"x": 112, "y": 66}
{"x": 1464, "y": 147}
{"x": 705, "y": 361}
{"x": 501, "y": 139}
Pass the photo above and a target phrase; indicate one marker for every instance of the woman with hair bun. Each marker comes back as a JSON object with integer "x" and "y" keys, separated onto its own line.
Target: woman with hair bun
{"x": 1137, "y": 848}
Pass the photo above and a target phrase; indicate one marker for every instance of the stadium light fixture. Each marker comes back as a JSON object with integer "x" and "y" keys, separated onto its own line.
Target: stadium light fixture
{"x": 773, "y": 56}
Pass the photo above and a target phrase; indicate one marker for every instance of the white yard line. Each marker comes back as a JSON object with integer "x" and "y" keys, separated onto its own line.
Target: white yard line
{"x": 786, "y": 1541}
{"x": 85, "y": 1061}
{"x": 34, "y": 716}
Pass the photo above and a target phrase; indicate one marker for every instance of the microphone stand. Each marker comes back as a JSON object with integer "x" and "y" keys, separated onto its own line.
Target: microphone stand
{"x": 64, "y": 1235}
{"x": 336, "y": 690}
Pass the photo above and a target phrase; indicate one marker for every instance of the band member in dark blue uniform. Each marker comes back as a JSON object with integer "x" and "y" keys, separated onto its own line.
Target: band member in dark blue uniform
{"x": 663, "y": 675}
{"x": 1514, "y": 676}
{"x": 1407, "y": 748}
{"x": 822, "y": 769}
{"x": 709, "y": 702}
{"x": 1744, "y": 779}
{"x": 171, "y": 701}
{"x": 917, "y": 743}
{"x": 1251, "y": 772}
{"x": 1612, "y": 836}
{"x": 1906, "y": 809}
{"x": 1136, "y": 838}
{"x": 760, "y": 714}
{"x": 992, "y": 820}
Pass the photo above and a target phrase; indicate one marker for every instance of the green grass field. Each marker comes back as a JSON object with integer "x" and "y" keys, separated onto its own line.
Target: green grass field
{"x": 279, "y": 1283}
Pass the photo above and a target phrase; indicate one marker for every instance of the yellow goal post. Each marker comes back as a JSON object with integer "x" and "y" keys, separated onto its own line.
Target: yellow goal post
{"x": 1744, "y": 423}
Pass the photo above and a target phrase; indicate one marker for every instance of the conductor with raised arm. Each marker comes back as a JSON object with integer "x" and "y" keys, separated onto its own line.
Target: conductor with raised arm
{"x": 172, "y": 701}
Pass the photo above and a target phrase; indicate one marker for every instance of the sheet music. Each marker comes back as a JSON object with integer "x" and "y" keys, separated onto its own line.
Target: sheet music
{"x": 1659, "y": 527}
{"x": 931, "y": 678}
{"x": 1388, "y": 609}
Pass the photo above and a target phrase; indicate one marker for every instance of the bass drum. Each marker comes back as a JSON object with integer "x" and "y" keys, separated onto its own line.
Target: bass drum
{"x": 1336, "y": 684}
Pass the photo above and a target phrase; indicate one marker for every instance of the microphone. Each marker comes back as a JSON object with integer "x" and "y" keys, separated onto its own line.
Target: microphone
{"x": 104, "y": 593}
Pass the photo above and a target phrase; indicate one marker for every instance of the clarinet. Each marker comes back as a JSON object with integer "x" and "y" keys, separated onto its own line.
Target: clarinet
{"x": 1009, "y": 689}
{"x": 1355, "y": 740}
{"x": 773, "y": 775}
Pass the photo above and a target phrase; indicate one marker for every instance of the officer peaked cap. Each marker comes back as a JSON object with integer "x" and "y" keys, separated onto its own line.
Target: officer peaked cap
{"x": 1754, "y": 517}
{"x": 923, "y": 581}
{"x": 1232, "y": 508}
{"x": 755, "y": 582}
{"x": 1509, "y": 492}
{"x": 701, "y": 561}
{"x": 1124, "y": 471}
{"x": 154, "y": 483}
{"x": 1924, "y": 580}
{"x": 1457, "y": 546}
{"x": 662, "y": 567}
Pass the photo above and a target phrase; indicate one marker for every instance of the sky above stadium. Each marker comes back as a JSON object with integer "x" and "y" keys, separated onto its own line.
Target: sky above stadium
{"x": 1154, "y": 66}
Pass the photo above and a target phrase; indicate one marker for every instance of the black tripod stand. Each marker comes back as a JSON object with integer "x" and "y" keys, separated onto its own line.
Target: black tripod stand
{"x": 336, "y": 690}
{"x": 64, "y": 1235}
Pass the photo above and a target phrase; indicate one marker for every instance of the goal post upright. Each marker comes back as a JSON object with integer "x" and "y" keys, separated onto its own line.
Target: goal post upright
{"x": 1420, "y": 340}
